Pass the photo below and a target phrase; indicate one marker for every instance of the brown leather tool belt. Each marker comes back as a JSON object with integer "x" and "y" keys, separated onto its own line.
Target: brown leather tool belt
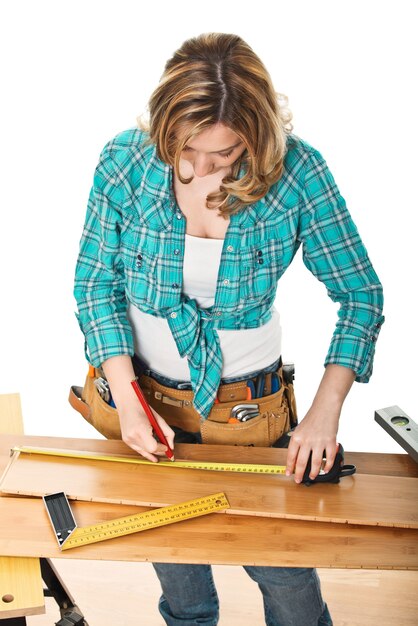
{"x": 271, "y": 415}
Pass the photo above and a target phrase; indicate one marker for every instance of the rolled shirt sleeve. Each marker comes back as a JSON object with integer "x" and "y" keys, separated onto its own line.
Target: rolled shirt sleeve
{"x": 99, "y": 287}
{"x": 334, "y": 253}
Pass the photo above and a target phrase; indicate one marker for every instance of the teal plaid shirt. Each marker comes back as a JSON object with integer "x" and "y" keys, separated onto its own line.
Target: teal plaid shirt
{"x": 132, "y": 250}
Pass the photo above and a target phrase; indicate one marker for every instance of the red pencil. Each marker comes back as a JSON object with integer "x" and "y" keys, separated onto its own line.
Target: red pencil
{"x": 157, "y": 429}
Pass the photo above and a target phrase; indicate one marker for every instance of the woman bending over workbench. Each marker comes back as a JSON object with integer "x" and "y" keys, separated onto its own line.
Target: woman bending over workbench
{"x": 191, "y": 222}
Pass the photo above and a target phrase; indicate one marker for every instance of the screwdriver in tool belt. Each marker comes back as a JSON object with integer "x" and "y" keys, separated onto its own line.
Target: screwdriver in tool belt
{"x": 156, "y": 427}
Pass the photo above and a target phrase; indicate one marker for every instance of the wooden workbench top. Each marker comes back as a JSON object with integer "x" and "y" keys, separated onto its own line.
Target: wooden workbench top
{"x": 216, "y": 538}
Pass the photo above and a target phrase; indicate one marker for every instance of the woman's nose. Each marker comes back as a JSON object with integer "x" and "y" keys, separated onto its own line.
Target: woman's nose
{"x": 202, "y": 165}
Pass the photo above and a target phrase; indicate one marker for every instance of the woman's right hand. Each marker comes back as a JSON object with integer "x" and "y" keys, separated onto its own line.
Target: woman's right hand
{"x": 136, "y": 429}
{"x": 137, "y": 432}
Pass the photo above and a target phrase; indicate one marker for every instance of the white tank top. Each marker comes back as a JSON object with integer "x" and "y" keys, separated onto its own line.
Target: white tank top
{"x": 243, "y": 351}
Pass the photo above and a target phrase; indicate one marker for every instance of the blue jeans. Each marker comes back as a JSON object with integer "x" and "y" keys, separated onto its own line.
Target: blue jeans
{"x": 291, "y": 595}
{"x": 141, "y": 368}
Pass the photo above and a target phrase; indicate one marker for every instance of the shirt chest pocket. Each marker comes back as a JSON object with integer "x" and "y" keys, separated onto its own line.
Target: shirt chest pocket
{"x": 140, "y": 275}
{"x": 150, "y": 270}
{"x": 261, "y": 267}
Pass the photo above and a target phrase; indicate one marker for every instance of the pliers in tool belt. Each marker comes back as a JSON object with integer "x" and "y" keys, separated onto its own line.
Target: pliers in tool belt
{"x": 259, "y": 385}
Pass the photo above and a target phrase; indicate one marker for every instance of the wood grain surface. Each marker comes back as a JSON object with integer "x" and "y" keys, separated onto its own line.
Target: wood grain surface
{"x": 21, "y": 589}
{"x": 218, "y": 539}
{"x": 11, "y": 420}
{"x": 361, "y": 499}
{"x": 366, "y": 462}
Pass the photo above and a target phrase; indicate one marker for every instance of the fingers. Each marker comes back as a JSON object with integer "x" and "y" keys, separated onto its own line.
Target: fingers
{"x": 168, "y": 432}
{"x": 299, "y": 460}
{"x": 330, "y": 453}
{"x": 138, "y": 434}
{"x": 144, "y": 443}
{"x": 292, "y": 454}
{"x": 144, "y": 453}
{"x": 299, "y": 452}
{"x": 316, "y": 462}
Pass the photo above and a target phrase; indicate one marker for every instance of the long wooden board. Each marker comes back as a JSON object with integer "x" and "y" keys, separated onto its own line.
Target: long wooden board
{"x": 219, "y": 539}
{"x": 366, "y": 462}
{"x": 363, "y": 499}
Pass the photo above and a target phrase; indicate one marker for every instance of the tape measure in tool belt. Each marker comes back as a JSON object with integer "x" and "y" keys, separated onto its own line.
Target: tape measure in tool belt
{"x": 69, "y": 535}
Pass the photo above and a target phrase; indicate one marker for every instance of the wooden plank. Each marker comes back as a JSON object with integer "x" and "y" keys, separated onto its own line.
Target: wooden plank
{"x": 378, "y": 463}
{"x": 11, "y": 420}
{"x": 363, "y": 499}
{"x": 21, "y": 589}
{"x": 218, "y": 539}
{"x": 225, "y": 539}
{"x": 366, "y": 462}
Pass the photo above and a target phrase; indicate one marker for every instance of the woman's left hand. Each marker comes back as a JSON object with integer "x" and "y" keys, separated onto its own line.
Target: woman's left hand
{"x": 317, "y": 432}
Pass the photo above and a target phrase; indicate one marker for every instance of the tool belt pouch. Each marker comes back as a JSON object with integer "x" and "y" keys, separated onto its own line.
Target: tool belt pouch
{"x": 289, "y": 391}
{"x": 89, "y": 403}
{"x": 277, "y": 416}
{"x": 261, "y": 431}
{"x": 287, "y": 376}
{"x": 277, "y": 413}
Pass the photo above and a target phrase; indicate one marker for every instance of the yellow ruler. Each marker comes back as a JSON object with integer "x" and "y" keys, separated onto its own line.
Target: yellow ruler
{"x": 69, "y": 535}
{"x": 202, "y": 465}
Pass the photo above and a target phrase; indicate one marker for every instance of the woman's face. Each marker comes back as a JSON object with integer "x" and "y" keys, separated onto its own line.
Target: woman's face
{"x": 213, "y": 150}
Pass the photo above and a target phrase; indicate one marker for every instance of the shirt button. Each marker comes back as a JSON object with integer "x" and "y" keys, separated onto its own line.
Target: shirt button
{"x": 173, "y": 314}
{"x": 175, "y": 285}
{"x": 226, "y": 281}
{"x": 139, "y": 257}
{"x": 218, "y": 313}
{"x": 230, "y": 248}
{"x": 176, "y": 251}
{"x": 179, "y": 216}
{"x": 260, "y": 261}
{"x": 259, "y": 253}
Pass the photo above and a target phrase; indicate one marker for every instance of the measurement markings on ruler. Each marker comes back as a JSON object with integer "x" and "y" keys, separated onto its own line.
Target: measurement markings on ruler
{"x": 252, "y": 468}
{"x": 70, "y": 536}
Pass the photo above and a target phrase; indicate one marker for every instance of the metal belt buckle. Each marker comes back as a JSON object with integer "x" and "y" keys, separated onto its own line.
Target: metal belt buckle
{"x": 167, "y": 400}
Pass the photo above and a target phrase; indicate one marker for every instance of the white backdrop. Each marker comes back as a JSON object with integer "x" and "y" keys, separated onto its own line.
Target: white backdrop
{"x": 76, "y": 73}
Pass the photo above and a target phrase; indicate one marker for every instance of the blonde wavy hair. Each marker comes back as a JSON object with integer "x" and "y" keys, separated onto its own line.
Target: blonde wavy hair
{"x": 217, "y": 78}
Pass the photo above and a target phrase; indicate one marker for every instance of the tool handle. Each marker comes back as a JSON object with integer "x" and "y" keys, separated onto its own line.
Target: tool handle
{"x": 156, "y": 427}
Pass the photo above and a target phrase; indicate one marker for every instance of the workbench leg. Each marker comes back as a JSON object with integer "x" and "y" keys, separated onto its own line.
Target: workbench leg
{"x": 70, "y": 613}
{"x": 14, "y": 621}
